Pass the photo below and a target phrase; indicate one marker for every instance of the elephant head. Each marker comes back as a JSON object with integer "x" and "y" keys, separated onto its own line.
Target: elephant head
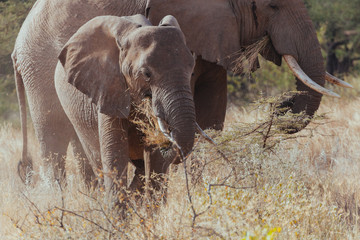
{"x": 218, "y": 30}
{"x": 117, "y": 61}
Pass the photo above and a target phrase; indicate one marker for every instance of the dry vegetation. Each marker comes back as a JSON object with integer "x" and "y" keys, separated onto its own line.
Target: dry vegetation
{"x": 268, "y": 186}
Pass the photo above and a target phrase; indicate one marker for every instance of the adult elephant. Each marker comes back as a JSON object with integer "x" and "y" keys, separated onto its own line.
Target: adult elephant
{"x": 214, "y": 29}
{"x": 217, "y": 31}
{"x": 47, "y": 28}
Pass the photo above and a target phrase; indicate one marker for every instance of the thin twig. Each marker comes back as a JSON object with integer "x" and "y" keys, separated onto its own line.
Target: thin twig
{"x": 143, "y": 221}
{"x": 189, "y": 194}
{"x": 84, "y": 218}
{"x": 101, "y": 210}
{"x": 15, "y": 222}
{"x": 211, "y": 141}
{"x": 266, "y": 136}
{"x": 36, "y": 208}
{"x": 63, "y": 206}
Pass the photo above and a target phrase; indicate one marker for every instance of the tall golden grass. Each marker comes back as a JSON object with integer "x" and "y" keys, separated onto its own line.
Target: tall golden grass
{"x": 268, "y": 186}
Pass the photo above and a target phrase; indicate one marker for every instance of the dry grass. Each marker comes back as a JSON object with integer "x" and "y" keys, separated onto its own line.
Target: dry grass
{"x": 247, "y": 58}
{"x": 147, "y": 123}
{"x": 306, "y": 187}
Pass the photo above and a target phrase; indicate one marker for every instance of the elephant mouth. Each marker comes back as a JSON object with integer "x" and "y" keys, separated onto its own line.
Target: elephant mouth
{"x": 167, "y": 151}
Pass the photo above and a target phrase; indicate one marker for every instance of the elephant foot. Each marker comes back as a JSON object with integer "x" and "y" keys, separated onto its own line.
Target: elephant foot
{"x": 52, "y": 170}
{"x": 25, "y": 170}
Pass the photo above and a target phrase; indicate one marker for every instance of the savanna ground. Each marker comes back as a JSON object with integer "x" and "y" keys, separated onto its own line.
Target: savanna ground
{"x": 256, "y": 184}
{"x": 266, "y": 187}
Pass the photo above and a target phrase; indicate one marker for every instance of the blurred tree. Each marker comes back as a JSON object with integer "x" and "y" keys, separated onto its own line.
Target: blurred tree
{"x": 267, "y": 81}
{"x": 339, "y": 23}
{"x": 12, "y": 15}
{"x": 338, "y": 26}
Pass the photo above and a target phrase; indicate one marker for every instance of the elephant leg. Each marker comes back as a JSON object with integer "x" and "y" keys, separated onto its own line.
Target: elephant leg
{"x": 155, "y": 164}
{"x": 52, "y": 127}
{"x": 83, "y": 164}
{"x": 138, "y": 182}
{"x": 210, "y": 95}
{"x": 114, "y": 148}
{"x": 54, "y": 132}
{"x": 54, "y": 140}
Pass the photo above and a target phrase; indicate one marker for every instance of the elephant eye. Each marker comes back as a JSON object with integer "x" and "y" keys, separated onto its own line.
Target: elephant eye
{"x": 147, "y": 74}
{"x": 273, "y": 6}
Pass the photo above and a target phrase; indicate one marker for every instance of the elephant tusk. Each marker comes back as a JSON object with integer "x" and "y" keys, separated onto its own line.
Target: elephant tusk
{"x": 165, "y": 131}
{"x": 210, "y": 140}
{"x": 334, "y": 80}
{"x": 204, "y": 135}
{"x": 301, "y": 75}
{"x": 162, "y": 126}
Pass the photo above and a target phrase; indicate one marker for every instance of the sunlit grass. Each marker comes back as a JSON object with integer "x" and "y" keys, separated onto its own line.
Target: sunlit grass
{"x": 307, "y": 187}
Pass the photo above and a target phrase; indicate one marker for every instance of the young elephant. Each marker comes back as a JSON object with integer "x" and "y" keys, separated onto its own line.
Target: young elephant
{"x": 109, "y": 64}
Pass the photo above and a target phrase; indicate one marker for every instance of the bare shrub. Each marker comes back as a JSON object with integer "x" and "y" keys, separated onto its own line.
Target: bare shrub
{"x": 257, "y": 182}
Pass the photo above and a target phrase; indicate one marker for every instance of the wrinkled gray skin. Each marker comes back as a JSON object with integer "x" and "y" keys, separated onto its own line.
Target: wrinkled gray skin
{"x": 47, "y": 28}
{"x": 215, "y": 30}
{"x": 239, "y": 23}
{"x": 113, "y": 62}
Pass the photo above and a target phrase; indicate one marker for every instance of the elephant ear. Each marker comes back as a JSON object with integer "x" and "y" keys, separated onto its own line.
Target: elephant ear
{"x": 213, "y": 34}
{"x": 169, "y": 21}
{"x": 91, "y": 62}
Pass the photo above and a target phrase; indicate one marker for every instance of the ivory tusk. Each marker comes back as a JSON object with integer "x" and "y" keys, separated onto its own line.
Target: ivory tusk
{"x": 334, "y": 80}
{"x": 162, "y": 126}
{"x": 210, "y": 140}
{"x": 301, "y": 75}
{"x": 165, "y": 131}
{"x": 202, "y": 133}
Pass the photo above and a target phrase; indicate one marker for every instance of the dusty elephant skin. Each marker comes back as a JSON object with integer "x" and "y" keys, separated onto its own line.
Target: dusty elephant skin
{"x": 45, "y": 31}
{"x": 215, "y": 31}
{"x": 239, "y": 23}
{"x": 113, "y": 62}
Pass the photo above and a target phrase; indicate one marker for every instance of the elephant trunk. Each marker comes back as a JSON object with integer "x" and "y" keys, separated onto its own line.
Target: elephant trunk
{"x": 174, "y": 104}
{"x": 310, "y": 101}
{"x": 299, "y": 40}
{"x": 312, "y": 63}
